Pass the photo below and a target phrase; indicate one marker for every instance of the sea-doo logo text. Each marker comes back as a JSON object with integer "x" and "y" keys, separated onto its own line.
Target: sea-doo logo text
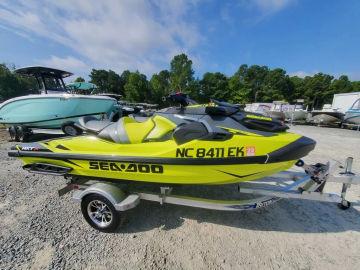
{"x": 210, "y": 152}
{"x": 120, "y": 167}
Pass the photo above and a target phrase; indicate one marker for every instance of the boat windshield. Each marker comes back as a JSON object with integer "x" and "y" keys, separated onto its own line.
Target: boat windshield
{"x": 356, "y": 105}
{"x": 53, "y": 83}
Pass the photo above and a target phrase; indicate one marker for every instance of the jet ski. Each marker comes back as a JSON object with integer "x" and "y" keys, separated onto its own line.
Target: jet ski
{"x": 187, "y": 155}
{"x": 211, "y": 144}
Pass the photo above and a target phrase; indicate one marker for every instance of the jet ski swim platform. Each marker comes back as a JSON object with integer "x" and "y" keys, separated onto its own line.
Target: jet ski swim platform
{"x": 103, "y": 202}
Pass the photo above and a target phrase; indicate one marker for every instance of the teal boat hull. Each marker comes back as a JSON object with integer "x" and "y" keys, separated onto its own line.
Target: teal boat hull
{"x": 51, "y": 111}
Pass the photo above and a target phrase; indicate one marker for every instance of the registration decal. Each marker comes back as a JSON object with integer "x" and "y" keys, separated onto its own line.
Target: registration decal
{"x": 213, "y": 152}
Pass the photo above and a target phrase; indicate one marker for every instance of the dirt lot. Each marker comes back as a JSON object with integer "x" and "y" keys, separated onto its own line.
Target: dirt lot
{"x": 39, "y": 230}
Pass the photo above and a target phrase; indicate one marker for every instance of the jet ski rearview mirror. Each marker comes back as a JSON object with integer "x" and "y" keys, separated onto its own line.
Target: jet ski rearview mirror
{"x": 180, "y": 98}
{"x": 225, "y": 104}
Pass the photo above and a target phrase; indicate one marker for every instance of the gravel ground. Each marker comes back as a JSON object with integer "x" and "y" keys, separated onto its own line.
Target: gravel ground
{"x": 39, "y": 230}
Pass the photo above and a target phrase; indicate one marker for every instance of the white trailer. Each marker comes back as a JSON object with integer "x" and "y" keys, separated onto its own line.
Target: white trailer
{"x": 342, "y": 102}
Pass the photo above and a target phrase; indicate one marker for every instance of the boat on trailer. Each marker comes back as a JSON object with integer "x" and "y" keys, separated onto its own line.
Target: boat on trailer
{"x": 327, "y": 116}
{"x": 54, "y": 110}
{"x": 296, "y": 112}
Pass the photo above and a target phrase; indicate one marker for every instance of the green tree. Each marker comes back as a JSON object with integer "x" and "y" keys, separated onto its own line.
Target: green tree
{"x": 115, "y": 83}
{"x": 79, "y": 79}
{"x": 160, "y": 86}
{"x": 181, "y": 73}
{"x": 13, "y": 85}
{"x": 193, "y": 90}
{"x": 107, "y": 81}
{"x": 277, "y": 86}
{"x": 125, "y": 76}
{"x": 137, "y": 88}
{"x": 215, "y": 85}
{"x": 316, "y": 89}
{"x": 355, "y": 86}
{"x": 298, "y": 88}
{"x": 240, "y": 91}
{"x": 340, "y": 85}
{"x": 254, "y": 79}
{"x": 99, "y": 77}
{"x": 247, "y": 84}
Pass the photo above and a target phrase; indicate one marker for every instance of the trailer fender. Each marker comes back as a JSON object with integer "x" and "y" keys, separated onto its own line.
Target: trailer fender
{"x": 111, "y": 192}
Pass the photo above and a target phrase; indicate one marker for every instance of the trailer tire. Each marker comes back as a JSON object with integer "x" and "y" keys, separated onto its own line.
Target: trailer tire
{"x": 300, "y": 163}
{"x": 13, "y": 134}
{"x": 100, "y": 213}
{"x": 22, "y": 133}
{"x": 344, "y": 205}
{"x": 70, "y": 129}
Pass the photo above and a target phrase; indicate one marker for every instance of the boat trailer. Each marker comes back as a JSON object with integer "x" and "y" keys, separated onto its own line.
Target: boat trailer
{"x": 306, "y": 182}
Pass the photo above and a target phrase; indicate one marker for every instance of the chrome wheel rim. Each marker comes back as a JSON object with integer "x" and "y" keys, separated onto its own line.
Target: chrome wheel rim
{"x": 99, "y": 213}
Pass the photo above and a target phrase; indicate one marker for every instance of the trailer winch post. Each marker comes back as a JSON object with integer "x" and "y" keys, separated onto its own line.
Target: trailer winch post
{"x": 345, "y": 186}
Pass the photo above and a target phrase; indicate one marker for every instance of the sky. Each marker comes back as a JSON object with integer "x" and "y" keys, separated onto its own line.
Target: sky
{"x": 301, "y": 36}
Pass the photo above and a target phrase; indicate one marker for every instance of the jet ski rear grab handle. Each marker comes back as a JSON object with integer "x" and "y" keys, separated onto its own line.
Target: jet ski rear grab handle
{"x": 289, "y": 184}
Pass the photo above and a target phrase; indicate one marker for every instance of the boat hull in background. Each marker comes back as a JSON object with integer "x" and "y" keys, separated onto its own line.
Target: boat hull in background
{"x": 276, "y": 115}
{"x": 352, "y": 117}
{"x": 326, "y": 119}
{"x": 52, "y": 110}
{"x": 299, "y": 115}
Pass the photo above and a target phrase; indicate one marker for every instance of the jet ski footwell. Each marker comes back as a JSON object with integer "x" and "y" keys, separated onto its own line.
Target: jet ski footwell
{"x": 306, "y": 182}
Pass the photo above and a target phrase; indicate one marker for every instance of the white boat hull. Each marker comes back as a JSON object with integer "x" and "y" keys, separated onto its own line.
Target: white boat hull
{"x": 296, "y": 115}
{"x": 352, "y": 118}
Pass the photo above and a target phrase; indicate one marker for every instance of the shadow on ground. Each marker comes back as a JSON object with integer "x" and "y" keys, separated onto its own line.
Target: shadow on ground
{"x": 284, "y": 216}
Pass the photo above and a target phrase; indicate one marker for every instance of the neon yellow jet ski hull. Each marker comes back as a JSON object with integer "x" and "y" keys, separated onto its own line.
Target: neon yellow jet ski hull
{"x": 240, "y": 158}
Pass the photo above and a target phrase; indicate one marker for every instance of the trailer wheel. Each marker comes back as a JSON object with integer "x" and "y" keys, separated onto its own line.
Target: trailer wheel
{"x": 300, "y": 163}
{"x": 22, "y": 133}
{"x": 100, "y": 213}
{"x": 70, "y": 129}
{"x": 344, "y": 205}
{"x": 13, "y": 134}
